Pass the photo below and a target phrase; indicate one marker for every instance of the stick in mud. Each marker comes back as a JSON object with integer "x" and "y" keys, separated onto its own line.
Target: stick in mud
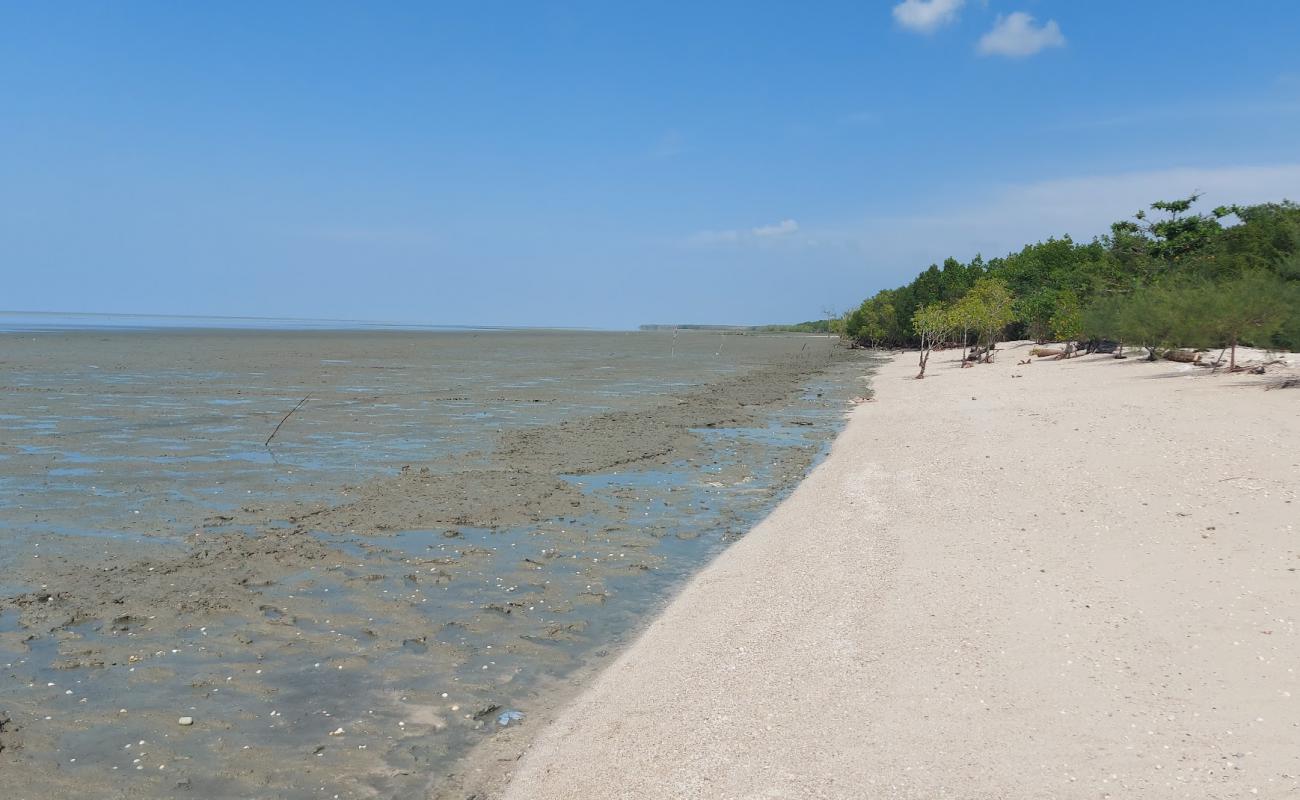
{"x": 267, "y": 443}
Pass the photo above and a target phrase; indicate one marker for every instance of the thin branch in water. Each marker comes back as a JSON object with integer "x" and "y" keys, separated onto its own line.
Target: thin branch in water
{"x": 267, "y": 443}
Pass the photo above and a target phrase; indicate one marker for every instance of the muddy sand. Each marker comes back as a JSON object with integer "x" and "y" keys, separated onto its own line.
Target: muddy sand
{"x": 1071, "y": 579}
{"x": 449, "y": 526}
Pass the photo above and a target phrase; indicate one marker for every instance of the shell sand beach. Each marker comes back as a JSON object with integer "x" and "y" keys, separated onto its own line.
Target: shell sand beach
{"x": 1063, "y": 579}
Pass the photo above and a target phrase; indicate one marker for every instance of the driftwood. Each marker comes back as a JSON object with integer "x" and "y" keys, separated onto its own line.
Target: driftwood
{"x": 1100, "y": 346}
{"x": 1046, "y": 352}
{"x": 1070, "y": 350}
{"x": 1258, "y": 369}
{"x": 1183, "y": 356}
{"x": 267, "y": 443}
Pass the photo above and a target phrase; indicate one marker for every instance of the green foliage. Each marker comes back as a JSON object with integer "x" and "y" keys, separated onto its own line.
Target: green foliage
{"x": 1067, "y": 317}
{"x": 1179, "y": 234}
{"x": 1101, "y": 317}
{"x": 990, "y": 308}
{"x": 812, "y": 326}
{"x": 932, "y": 324}
{"x": 933, "y": 321}
{"x": 1251, "y": 308}
{"x": 1150, "y": 317}
{"x": 1034, "y": 311}
{"x": 1166, "y": 277}
{"x": 879, "y": 319}
{"x": 876, "y": 322}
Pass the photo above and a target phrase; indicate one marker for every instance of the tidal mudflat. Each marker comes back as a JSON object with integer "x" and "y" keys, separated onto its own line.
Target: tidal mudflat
{"x": 449, "y": 521}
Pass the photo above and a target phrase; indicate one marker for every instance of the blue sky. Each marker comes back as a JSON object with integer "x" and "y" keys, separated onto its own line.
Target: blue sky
{"x": 604, "y": 164}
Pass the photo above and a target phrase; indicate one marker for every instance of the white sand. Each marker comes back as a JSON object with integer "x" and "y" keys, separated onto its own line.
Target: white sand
{"x": 1078, "y": 583}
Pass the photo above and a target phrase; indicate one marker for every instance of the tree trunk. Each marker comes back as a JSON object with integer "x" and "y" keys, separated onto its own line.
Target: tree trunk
{"x": 1232, "y": 358}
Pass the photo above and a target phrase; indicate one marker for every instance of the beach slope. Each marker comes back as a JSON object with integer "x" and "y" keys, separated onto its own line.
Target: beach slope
{"x": 1065, "y": 579}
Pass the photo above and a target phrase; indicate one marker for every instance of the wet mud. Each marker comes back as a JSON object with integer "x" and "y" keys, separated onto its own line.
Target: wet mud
{"x": 449, "y": 523}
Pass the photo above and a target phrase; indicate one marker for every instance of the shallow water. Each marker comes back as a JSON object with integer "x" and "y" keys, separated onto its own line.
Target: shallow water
{"x": 124, "y": 453}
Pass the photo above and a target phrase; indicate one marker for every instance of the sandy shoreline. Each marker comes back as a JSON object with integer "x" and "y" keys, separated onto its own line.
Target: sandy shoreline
{"x": 1067, "y": 579}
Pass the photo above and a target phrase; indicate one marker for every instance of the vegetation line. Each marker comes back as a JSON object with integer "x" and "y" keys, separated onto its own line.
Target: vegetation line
{"x": 1165, "y": 280}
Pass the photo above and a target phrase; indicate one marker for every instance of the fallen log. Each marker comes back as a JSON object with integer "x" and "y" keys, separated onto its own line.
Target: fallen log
{"x": 1183, "y": 356}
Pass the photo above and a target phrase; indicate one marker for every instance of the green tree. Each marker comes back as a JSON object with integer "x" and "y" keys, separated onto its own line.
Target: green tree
{"x": 1151, "y": 317}
{"x": 1250, "y": 308}
{"x": 1035, "y": 311}
{"x": 962, "y": 317}
{"x": 1178, "y": 233}
{"x": 1168, "y": 244}
{"x": 1101, "y": 319}
{"x": 991, "y": 310}
{"x": 931, "y": 323}
{"x": 1067, "y": 317}
{"x": 879, "y": 320}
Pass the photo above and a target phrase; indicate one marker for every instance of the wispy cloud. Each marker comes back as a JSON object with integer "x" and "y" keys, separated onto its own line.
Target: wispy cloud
{"x": 713, "y": 237}
{"x": 379, "y": 237}
{"x": 670, "y": 145}
{"x": 927, "y": 16}
{"x": 1005, "y": 218}
{"x": 1017, "y": 35}
{"x": 1203, "y": 109}
{"x": 784, "y": 228}
{"x": 1288, "y": 81}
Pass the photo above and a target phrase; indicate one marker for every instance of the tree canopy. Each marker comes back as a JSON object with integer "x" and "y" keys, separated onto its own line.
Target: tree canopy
{"x": 1168, "y": 276}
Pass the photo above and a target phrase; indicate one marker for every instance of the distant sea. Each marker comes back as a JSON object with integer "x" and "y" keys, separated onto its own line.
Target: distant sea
{"x": 34, "y": 321}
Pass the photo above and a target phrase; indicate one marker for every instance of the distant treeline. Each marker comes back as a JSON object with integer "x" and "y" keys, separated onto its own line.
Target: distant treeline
{"x": 666, "y": 327}
{"x": 1166, "y": 278}
{"x": 814, "y": 326}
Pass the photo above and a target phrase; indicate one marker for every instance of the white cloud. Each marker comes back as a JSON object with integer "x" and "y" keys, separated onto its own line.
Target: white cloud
{"x": 927, "y": 16}
{"x": 1017, "y": 35}
{"x": 1008, "y": 217}
{"x": 670, "y": 145}
{"x": 784, "y": 228}
{"x": 713, "y": 237}
{"x": 379, "y": 236}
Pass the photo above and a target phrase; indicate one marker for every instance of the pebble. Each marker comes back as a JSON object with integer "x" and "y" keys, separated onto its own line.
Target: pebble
{"x": 185, "y": 721}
